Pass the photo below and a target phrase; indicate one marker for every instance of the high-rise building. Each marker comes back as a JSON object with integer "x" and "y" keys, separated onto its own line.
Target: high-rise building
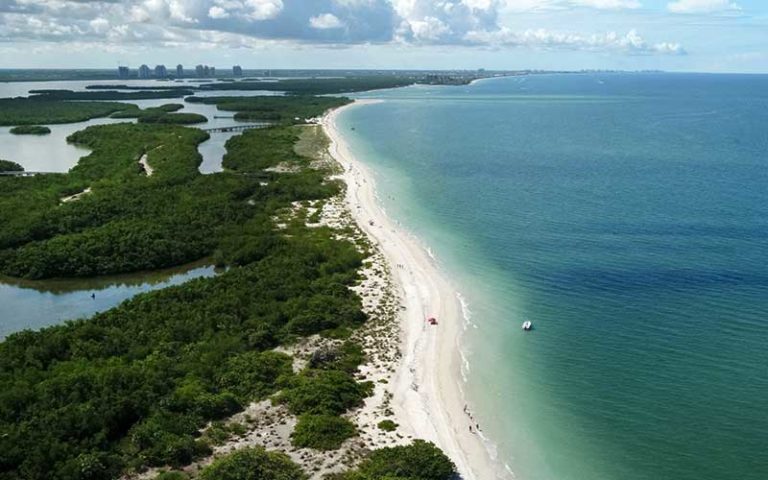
{"x": 237, "y": 71}
{"x": 161, "y": 71}
{"x": 123, "y": 72}
{"x": 205, "y": 71}
{"x": 179, "y": 71}
{"x": 144, "y": 71}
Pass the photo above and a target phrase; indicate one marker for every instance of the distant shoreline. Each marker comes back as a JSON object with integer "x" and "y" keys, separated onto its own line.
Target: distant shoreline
{"x": 427, "y": 398}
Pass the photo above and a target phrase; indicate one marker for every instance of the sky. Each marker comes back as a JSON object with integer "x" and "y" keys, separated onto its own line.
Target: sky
{"x": 674, "y": 35}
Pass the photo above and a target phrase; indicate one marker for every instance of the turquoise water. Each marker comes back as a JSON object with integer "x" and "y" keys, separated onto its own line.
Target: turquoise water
{"x": 625, "y": 215}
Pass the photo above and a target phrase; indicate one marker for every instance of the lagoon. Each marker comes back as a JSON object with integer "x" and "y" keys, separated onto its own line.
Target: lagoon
{"x": 52, "y": 153}
{"x": 38, "y": 304}
{"x": 33, "y": 305}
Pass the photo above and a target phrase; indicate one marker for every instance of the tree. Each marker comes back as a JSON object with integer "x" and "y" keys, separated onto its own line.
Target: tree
{"x": 322, "y": 432}
{"x": 253, "y": 464}
{"x": 418, "y": 461}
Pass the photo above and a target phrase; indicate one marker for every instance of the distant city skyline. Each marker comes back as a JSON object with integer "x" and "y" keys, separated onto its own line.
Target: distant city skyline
{"x": 161, "y": 71}
{"x": 675, "y": 35}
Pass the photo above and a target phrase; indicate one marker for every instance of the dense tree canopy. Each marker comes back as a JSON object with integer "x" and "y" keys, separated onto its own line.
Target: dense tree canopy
{"x": 9, "y": 166}
{"x": 30, "y": 130}
{"x": 109, "y": 94}
{"x": 277, "y": 109}
{"x": 35, "y": 111}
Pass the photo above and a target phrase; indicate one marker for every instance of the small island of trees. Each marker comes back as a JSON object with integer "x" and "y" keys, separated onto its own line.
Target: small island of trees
{"x": 30, "y": 130}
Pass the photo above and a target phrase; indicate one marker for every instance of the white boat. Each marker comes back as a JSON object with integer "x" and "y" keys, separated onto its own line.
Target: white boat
{"x": 527, "y": 325}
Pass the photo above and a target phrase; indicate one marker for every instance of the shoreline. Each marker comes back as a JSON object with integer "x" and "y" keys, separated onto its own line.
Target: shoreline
{"x": 428, "y": 401}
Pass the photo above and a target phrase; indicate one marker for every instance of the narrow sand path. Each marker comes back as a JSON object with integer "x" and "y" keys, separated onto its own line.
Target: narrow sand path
{"x": 145, "y": 165}
{"x": 77, "y": 196}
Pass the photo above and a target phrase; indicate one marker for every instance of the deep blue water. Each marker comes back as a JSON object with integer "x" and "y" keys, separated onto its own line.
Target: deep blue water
{"x": 626, "y": 215}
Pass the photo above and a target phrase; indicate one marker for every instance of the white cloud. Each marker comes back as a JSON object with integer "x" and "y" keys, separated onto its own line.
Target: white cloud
{"x": 630, "y": 42}
{"x": 429, "y": 28}
{"x": 325, "y": 21}
{"x": 217, "y": 12}
{"x": 264, "y": 9}
{"x": 99, "y": 25}
{"x": 340, "y": 22}
{"x": 702, "y": 6}
{"x": 479, "y": 4}
{"x": 608, "y": 4}
{"x": 545, "y": 5}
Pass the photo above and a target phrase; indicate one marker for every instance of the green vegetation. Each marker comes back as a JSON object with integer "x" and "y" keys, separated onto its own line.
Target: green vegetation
{"x": 163, "y": 114}
{"x": 30, "y": 130}
{"x": 346, "y": 358}
{"x": 146, "y": 112}
{"x": 130, "y": 222}
{"x": 317, "y": 86}
{"x": 36, "y": 75}
{"x": 323, "y": 392}
{"x": 33, "y": 111}
{"x": 253, "y": 464}
{"x": 9, "y": 166}
{"x": 175, "y": 119}
{"x": 387, "y": 425}
{"x": 172, "y": 475}
{"x": 134, "y": 385}
{"x": 419, "y": 461}
{"x": 108, "y": 94}
{"x": 154, "y": 381}
{"x": 262, "y": 148}
{"x": 322, "y": 432}
{"x": 220, "y": 431}
{"x": 159, "y": 86}
{"x": 277, "y": 109}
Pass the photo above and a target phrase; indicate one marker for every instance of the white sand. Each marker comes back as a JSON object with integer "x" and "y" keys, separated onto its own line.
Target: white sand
{"x": 77, "y": 196}
{"x": 147, "y": 169}
{"x": 427, "y": 399}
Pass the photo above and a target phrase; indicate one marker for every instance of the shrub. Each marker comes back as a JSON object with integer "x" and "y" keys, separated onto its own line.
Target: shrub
{"x": 172, "y": 475}
{"x": 322, "y": 432}
{"x": 254, "y": 375}
{"x": 387, "y": 425}
{"x": 253, "y": 464}
{"x": 324, "y": 392}
{"x": 419, "y": 461}
{"x": 346, "y": 358}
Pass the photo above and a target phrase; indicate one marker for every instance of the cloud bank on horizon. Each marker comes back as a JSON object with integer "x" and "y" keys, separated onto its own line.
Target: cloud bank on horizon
{"x": 603, "y": 28}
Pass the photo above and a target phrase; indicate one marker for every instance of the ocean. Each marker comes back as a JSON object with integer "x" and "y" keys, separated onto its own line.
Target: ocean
{"x": 626, "y": 216}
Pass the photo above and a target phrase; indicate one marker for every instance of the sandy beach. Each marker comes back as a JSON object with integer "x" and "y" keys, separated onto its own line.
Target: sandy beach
{"x": 426, "y": 386}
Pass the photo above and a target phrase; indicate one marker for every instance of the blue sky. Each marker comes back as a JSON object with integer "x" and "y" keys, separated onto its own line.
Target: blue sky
{"x": 680, "y": 35}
